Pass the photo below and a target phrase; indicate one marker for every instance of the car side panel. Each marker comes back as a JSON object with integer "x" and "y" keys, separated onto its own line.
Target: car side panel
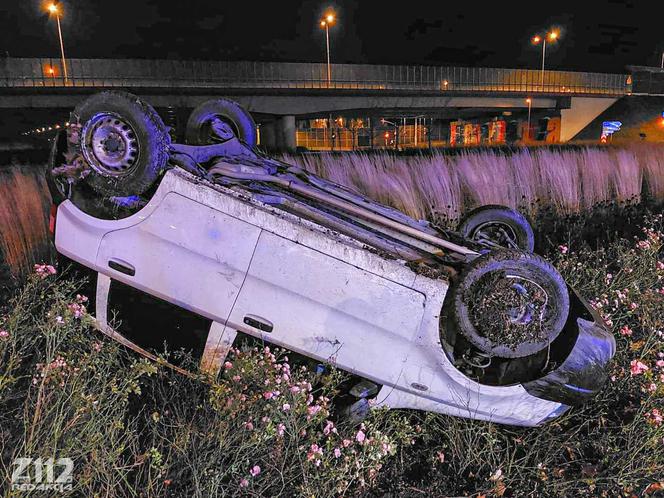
{"x": 328, "y": 309}
{"x": 186, "y": 253}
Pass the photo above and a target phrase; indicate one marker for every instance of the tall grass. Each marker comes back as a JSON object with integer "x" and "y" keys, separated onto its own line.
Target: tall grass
{"x": 566, "y": 180}
{"x": 437, "y": 187}
{"x": 24, "y": 204}
{"x": 270, "y": 426}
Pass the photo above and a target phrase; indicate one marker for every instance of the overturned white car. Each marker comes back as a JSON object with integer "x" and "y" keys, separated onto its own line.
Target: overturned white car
{"x": 212, "y": 240}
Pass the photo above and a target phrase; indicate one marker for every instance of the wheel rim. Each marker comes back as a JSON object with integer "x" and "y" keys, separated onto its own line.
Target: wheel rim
{"x": 496, "y": 234}
{"x": 511, "y": 315}
{"x": 110, "y": 145}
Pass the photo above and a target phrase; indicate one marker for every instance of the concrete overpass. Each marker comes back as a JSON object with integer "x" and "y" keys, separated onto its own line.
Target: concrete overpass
{"x": 278, "y": 93}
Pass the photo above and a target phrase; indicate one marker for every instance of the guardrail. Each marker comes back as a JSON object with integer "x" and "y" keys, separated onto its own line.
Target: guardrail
{"x": 127, "y": 73}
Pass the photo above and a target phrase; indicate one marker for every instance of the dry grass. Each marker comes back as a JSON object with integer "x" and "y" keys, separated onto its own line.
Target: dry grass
{"x": 24, "y": 204}
{"x": 436, "y": 187}
{"x": 569, "y": 180}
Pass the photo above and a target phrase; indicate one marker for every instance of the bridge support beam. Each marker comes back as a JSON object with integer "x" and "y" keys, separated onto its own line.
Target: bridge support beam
{"x": 278, "y": 135}
{"x": 285, "y": 128}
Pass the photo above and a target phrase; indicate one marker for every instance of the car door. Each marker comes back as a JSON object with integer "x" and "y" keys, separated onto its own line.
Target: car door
{"x": 328, "y": 309}
{"x": 184, "y": 252}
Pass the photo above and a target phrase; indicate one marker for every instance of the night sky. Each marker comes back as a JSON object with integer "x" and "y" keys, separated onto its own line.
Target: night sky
{"x": 596, "y": 35}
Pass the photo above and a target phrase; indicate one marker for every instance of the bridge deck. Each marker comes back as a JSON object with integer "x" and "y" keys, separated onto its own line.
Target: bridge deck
{"x": 262, "y": 76}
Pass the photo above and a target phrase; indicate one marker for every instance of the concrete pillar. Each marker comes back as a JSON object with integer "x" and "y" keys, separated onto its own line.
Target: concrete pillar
{"x": 285, "y": 134}
{"x": 268, "y": 136}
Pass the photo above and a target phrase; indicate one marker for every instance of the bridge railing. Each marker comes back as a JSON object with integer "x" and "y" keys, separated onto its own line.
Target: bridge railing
{"x": 17, "y": 72}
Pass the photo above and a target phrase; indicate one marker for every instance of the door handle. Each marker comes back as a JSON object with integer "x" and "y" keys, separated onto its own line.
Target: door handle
{"x": 259, "y": 323}
{"x": 122, "y": 267}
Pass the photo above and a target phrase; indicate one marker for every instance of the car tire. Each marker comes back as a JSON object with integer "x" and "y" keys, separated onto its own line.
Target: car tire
{"x": 198, "y": 125}
{"x": 497, "y": 224}
{"x": 511, "y": 271}
{"x": 123, "y": 140}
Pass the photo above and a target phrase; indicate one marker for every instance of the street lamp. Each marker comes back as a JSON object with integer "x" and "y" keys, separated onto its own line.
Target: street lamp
{"x": 529, "y": 101}
{"x": 326, "y": 22}
{"x": 552, "y": 36}
{"x": 53, "y": 9}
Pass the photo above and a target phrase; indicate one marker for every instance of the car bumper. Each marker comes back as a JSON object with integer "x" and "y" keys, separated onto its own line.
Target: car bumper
{"x": 584, "y": 371}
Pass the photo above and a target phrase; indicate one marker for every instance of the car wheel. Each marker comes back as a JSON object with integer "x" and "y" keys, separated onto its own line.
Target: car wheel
{"x": 498, "y": 226}
{"x": 508, "y": 303}
{"x": 220, "y": 120}
{"x": 123, "y": 140}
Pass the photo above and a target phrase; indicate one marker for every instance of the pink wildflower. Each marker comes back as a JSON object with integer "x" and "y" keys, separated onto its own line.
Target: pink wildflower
{"x": 295, "y": 389}
{"x": 59, "y": 320}
{"x": 44, "y": 270}
{"x": 329, "y": 427}
{"x": 652, "y": 387}
{"x": 660, "y": 265}
{"x": 441, "y": 456}
{"x": 249, "y": 426}
{"x": 267, "y": 395}
{"x": 255, "y": 470}
{"x": 643, "y": 244}
{"x": 360, "y": 437}
{"x": 280, "y": 429}
{"x": 314, "y": 452}
{"x": 660, "y": 363}
{"x": 655, "y": 417}
{"x": 637, "y": 367}
{"x": 244, "y": 483}
{"x": 285, "y": 407}
{"x": 76, "y": 309}
{"x": 337, "y": 452}
{"x": 633, "y": 306}
{"x": 313, "y": 410}
{"x": 346, "y": 443}
{"x": 228, "y": 365}
{"x": 4, "y": 334}
{"x": 563, "y": 249}
{"x": 237, "y": 378}
{"x": 626, "y": 331}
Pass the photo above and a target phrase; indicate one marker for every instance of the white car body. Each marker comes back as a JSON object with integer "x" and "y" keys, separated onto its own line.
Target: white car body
{"x": 233, "y": 259}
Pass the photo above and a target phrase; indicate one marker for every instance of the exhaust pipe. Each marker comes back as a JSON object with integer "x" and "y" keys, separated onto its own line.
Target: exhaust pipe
{"x": 228, "y": 170}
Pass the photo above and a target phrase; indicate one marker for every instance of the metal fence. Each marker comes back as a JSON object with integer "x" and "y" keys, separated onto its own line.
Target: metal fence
{"x": 17, "y": 72}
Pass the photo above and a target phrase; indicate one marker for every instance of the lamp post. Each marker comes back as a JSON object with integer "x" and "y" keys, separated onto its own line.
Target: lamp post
{"x": 529, "y": 101}
{"x": 326, "y": 22}
{"x": 552, "y": 36}
{"x": 53, "y": 9}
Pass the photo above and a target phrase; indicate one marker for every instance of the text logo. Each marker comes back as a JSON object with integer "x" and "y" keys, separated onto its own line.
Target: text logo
{"x": 37, "y": 474}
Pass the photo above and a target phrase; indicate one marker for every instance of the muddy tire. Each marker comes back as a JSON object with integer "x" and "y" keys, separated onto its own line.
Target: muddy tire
{"x": 498, "y": 226}
{"x": 508, "y": 303}
{"x": 123, "y": 140}
{"x": 226, "y": 112}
